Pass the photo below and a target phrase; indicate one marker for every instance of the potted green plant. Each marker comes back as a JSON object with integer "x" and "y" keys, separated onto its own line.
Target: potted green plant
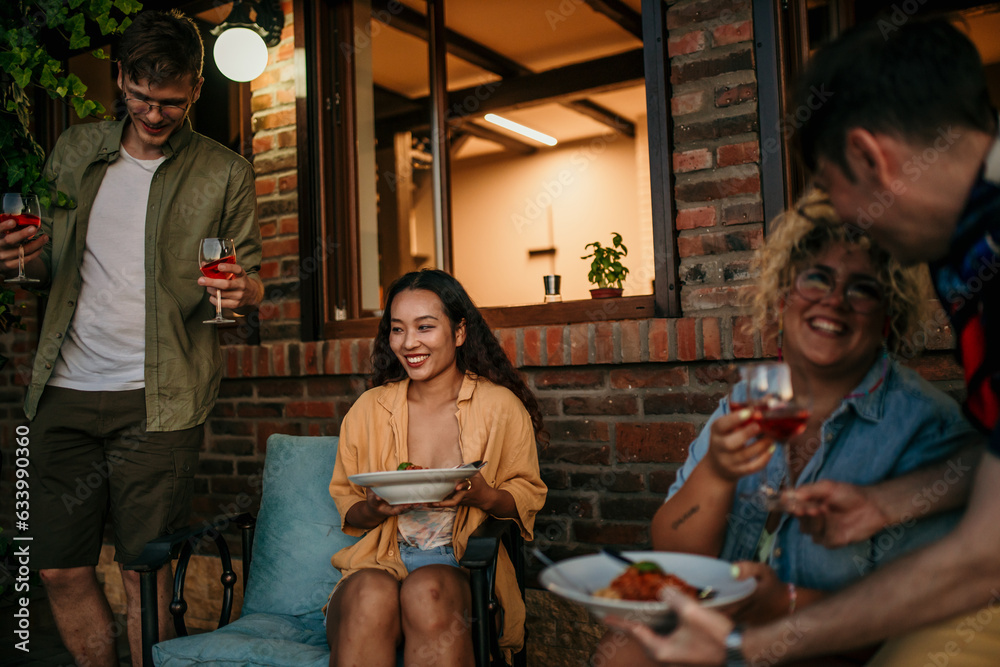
{"x": 606, "y": 269}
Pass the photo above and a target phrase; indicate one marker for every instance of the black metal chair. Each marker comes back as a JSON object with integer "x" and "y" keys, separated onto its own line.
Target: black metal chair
{"x": 288, "y": 595}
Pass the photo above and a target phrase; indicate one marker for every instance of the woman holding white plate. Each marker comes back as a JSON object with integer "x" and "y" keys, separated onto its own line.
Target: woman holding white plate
{"x": 843, "y": 307}
{"x": 444, "y": 395}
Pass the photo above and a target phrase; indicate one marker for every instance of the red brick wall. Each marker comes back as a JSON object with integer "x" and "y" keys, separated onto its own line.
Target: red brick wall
{"x": 716, "y": 158}
{"x": 619, "y": 425}
{"x": 275, "y": 159}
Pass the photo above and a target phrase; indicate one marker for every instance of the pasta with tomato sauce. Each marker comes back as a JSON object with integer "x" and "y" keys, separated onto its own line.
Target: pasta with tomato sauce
{"x": 643, "y": 582}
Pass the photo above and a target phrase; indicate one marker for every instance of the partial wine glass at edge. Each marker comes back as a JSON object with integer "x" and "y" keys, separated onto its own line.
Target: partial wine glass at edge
{"x": 25, "y": 211}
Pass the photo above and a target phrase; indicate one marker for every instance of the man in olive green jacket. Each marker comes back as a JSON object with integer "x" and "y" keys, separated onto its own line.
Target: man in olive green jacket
{"x": 126, "y": 370}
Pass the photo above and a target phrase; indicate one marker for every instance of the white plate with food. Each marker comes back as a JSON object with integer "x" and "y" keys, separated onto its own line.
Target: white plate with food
{"x": 601, "y": 583}
{"x": 415, "y": 485}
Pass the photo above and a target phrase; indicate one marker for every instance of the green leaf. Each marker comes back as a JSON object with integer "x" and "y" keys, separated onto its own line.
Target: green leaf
{"x": 78, "y": 32}
{"x": 83, "y": 107}
{"x": 100, "y": 8}
{"x": 100, "y": 54}
{"x": 22, "y": 77}
{"x": 73, "y": 4}
{"x": 15, "y": 173}
{"x": 61, "y": 91}
{"x": 48, "y": 79}
{"x": 76, "y": 86}
{"x": 107, "y": 24}
{"x": 128, "y": 6}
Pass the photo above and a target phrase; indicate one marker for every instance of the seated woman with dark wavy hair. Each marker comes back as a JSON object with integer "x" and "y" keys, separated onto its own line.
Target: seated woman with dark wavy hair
{"x": 444, "y": 394}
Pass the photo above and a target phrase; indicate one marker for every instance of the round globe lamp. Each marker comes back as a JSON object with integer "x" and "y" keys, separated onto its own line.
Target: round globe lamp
{"x": 240, "y": 54}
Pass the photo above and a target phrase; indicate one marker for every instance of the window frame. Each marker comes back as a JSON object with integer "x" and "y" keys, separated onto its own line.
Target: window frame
{"x": 328, "y": 206}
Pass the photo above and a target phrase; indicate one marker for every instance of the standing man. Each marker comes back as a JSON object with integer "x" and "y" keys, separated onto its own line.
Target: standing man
{"x": 126, "y": 372}
{"x": 906, "y": 145}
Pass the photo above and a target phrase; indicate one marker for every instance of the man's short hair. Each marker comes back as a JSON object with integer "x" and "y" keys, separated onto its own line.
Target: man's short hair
{"x": 161, "y": 46}
{"x": 911, "y": 81}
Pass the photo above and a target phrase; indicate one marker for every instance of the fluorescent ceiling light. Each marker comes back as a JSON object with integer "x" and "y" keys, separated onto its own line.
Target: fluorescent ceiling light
{"x": 521, "y": 129}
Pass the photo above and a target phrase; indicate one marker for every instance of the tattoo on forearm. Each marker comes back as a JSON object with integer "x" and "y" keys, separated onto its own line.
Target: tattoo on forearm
{"x": 687, "y": 515}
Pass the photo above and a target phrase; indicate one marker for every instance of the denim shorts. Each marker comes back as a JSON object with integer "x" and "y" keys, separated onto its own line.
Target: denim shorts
{"x": 413, "y": 557}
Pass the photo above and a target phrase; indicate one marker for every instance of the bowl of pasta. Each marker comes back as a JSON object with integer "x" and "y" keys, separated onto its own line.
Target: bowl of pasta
{"x": 411, "y": 484}
{"x": 606, "y": 586}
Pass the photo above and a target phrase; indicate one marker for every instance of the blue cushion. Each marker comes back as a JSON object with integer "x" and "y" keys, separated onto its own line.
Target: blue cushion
{"x": 298, "y": 530}
{"x": 264, "y": 640}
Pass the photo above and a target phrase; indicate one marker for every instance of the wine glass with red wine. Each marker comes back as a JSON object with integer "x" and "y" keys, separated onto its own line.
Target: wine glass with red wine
{"x": 213, "y": 253}
{"x": 25, "y": 212}
{"x": 777, "y": 408}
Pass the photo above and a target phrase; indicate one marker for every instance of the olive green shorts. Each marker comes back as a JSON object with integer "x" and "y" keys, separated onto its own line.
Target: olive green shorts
{"x": 92, "y": 459}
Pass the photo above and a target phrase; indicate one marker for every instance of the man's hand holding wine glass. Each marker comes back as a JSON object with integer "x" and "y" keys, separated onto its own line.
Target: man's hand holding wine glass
{"x": 20, "y": 240}
{"x": 225, "y": 280}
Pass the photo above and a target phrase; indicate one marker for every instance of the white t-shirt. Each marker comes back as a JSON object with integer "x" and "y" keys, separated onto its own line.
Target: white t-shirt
{"x": 105, "y": 347}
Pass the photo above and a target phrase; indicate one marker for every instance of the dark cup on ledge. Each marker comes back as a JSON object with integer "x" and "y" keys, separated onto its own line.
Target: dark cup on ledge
{"x": 552, "y": 288}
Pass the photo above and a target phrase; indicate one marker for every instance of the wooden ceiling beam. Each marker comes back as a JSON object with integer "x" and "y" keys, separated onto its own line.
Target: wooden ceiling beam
{"x": 489, "y": 134}
{"x": 396, "y": 15}
{"x": 620, "y": 13}
{"x": 603, "y": 115}
{"x": 562, "y": 84}
{"x": 389, "y": 103}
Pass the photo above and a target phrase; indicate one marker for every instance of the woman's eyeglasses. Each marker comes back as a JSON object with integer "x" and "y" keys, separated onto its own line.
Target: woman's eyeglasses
{"x": 142, "y": 107}
{"x": 863, "y": 295}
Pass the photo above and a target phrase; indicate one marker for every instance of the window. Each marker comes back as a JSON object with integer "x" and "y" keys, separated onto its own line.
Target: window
{"x": 510, "y": 210}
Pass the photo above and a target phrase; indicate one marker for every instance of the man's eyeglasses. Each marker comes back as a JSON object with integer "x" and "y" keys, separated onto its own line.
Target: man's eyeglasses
{"x": 863, "y": 295}
{"x": 142, "y": 107}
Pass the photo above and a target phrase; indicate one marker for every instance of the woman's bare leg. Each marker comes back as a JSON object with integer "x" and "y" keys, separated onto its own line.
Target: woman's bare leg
{"x": 435, "y": 603}
{"x": 363, "y": 624}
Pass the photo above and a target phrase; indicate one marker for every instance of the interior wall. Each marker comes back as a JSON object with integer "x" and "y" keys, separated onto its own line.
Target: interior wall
{"x": 563, "y": 198}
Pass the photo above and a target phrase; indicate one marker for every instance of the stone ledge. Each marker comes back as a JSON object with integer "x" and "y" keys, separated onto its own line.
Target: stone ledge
{"x": 560, "y": 633}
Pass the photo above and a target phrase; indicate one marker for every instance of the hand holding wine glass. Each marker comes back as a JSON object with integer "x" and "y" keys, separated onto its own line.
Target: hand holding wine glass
{"x": 736, "y": 447}
{"x": 214, "y": 252}
{"x": 780, "y": 412}
{"x": 25, "y": 212}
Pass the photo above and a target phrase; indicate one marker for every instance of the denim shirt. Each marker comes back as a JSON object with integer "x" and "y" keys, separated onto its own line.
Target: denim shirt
{"x": 903, "y": 424}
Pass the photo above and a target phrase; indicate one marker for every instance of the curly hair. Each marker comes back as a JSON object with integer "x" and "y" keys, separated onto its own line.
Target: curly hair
{"x": 481, "y": 353}
{"x": 803, "y": 232}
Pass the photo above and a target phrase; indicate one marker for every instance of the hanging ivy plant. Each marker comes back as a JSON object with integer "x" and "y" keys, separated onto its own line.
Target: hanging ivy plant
{"x": 28, "y": 31}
